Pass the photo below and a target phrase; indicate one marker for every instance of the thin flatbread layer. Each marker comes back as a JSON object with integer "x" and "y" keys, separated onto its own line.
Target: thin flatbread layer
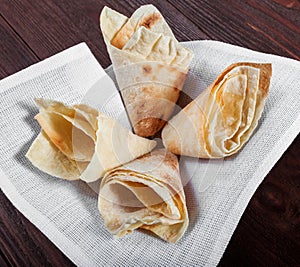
{"x": 149, "y": 63}
{"x": 145, "y": 193}
{"x": 92, "y": 142}
{"x": 48, "y": 158}
{"x": 221, "y": 119}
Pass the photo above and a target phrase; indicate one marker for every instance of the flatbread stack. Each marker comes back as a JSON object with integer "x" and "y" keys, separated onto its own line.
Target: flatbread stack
{"x": 149, "y": 63}
{"x": 146, "y": 193}
{"x": 79, "y": 142}
{"x": 222, "y": 118}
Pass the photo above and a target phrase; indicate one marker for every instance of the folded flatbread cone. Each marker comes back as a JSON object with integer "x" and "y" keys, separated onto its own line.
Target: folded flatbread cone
{"x": 222, "y": 118}
{"x": 115, "y": 145}
{"x": 45, "y": 156}
{"x": 78, "y": 142}
{"x": 145, "y": 193}
{"x": 149, "y": 63}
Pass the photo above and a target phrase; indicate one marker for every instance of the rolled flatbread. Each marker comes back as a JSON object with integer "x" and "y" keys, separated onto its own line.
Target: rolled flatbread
{"x": 222, "y": 118}
{"x": 149, "y": 63}
{"x": 78, "y": 142}
{"x": 145, "y": 193}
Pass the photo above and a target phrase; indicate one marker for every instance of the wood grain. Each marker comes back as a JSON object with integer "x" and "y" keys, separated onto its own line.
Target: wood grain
{"x": 264, "y": 26}
{"x": 31, "y": 30}
{"x": 22, "y": 244}
{"x": 72, "y": 23}
{"x": 15, "y": 54}
{"x": 49, "y": 30}
{"x": 268, "y": 233}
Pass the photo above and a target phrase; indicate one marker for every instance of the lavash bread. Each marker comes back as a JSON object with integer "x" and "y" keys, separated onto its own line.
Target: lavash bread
{"x": 146, "y": 193}
{"x": 78, "y": 142}
{"x": 149, "y": 63}
{"x": 224, "y": 116}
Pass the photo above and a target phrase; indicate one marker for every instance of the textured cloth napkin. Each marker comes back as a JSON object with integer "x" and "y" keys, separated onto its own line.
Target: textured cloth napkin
{"x": 217, "y": 191}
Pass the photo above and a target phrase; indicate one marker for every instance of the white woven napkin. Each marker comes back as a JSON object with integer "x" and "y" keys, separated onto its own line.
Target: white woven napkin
{"x": 218, "y": 191}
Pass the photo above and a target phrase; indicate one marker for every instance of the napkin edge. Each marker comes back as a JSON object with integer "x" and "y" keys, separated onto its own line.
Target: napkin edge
{"x": 66, "y": 246}
{"x": 243, "y": 200}
{"x": 70, "y": 54}
{"x": 239, "y": 50}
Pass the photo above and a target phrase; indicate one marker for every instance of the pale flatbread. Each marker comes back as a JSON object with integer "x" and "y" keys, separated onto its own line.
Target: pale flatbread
{"x": 48, "y": 158}
{"x": 115, "y": 146}
{"x": 145, "y": 193}
{"x": 149, "y": 63}
{"x": 82, "y": 141}
{"x": 221, "y": 119}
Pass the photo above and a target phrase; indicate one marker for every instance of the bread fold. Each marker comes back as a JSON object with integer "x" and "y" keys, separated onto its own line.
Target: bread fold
{"x": 149, "y": 63}
{"x": 222, "y": 118}
{"x": 78, "y": 142}
{"x": 145, "y": 193}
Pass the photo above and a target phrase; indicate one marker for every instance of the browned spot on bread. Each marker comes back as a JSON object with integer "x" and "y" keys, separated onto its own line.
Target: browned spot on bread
{"x": 122, "y": 37}
{"x": 54, "y": 134}
{"x": 148, "y": 126}
{"x": 148, "y": 89}
{"x": 264, "y": 82}
{"x": 173, "y": 147}
{"x": 147, "y": 69}
{"x": 125, "y": 33}
{"x": 153, "y": 78}
{"x": 266, "y": 73}
{"x": 171, "y": 160}
{"x": 150, "y": 20}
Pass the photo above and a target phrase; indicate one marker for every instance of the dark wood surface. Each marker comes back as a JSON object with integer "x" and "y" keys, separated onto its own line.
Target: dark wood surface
{"x": 31, "y": 30}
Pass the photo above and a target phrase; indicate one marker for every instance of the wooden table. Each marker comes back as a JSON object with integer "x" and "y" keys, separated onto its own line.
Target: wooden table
{"x": 31, "y": 30}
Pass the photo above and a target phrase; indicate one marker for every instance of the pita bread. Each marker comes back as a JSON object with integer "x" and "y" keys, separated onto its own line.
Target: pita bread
{"x": 149, "y": 63}
{"x": 82, "y": 141}
{"x": 221, "y": 119}
{"x": 145, "y": 193}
